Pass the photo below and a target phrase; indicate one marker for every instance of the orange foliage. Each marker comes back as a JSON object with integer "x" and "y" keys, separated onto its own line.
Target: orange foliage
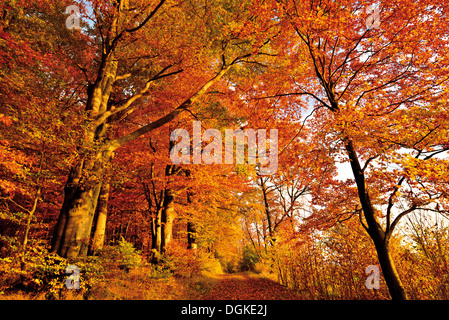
{"x": 338, "y": 89}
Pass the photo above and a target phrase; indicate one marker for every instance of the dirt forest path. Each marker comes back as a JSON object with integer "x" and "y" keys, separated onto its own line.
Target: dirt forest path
{"x": 242, "y": 286}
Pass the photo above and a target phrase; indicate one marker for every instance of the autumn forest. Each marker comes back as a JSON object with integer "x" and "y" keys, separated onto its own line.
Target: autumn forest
{"x": 224, "y": 149}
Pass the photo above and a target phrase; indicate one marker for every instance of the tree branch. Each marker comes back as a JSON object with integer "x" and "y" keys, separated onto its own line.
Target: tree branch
{"x": 396, "y": 221}
{"x": 102, "y": 117}
{"x": 115, "y": 41}
{"x": 113, "y": 145}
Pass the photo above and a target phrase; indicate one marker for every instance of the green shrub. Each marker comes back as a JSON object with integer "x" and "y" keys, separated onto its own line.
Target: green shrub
{"x": 122, "y": 256}
{"x": 229, "y": 266}
{"x": 249, "y": 259}
{"x": 159, "y": 271}
{"x": 45, "y": 273}
{"x": 129, "y": 256}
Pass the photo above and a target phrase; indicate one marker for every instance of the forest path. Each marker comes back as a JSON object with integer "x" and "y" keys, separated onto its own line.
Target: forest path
{"x": 244, "y": 286}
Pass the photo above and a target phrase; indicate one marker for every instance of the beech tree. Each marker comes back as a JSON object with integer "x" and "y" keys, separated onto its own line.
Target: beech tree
{"x": 378, "y": 101}
{"x": 144, "y": 52}
{"x": 86, "y": 116}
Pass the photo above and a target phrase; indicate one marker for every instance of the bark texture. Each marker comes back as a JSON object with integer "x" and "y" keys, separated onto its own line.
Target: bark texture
{"x": 100, "y": 224}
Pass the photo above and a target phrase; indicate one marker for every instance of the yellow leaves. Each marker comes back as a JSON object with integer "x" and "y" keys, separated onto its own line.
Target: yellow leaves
{"x": 39, "y": 282}
{"x": 234, "y": 26}
{"x": 7, "y": 186}
{"x": 7, "y": 260}
{"x": 12, "y": 162}
{"x": 6, "y": 120}
{"x": 433, "y": 169}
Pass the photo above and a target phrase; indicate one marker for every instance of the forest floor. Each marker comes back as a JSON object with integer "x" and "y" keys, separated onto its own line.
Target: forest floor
{"x": 248, "y": 286}
{"x": 136, "y": 286}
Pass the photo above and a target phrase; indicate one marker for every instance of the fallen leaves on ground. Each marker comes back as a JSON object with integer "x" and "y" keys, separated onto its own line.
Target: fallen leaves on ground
{"x": 243, "y": 286}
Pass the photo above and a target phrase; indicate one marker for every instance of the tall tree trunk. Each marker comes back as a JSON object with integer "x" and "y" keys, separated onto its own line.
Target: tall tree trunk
{"x": 191, "y": 229}
{"x": 168, "y": 211}
{"x": 73, "y": 229}
{"x": 100, "y": 225}
{"x": 374, "y": 229}
{"x": 72, "y": 233}
{"x": 391, "y": 275}
{"x": 156, "y": 200}
{"x": 168, "y": 217}
{"x": 271, "y": 236}
{"x": 156, "y": 235}
{"x": 191, "y": 236}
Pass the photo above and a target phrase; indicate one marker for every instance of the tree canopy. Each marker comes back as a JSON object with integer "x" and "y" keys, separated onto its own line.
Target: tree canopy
{"x": 91, "y": 93}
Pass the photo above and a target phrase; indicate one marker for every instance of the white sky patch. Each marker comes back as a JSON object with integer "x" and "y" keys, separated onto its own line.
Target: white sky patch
{"x": 344, "y": 171}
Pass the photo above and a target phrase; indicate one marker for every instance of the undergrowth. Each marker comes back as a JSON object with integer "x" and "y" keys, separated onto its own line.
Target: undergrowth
{"x": 115, "y": 272}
